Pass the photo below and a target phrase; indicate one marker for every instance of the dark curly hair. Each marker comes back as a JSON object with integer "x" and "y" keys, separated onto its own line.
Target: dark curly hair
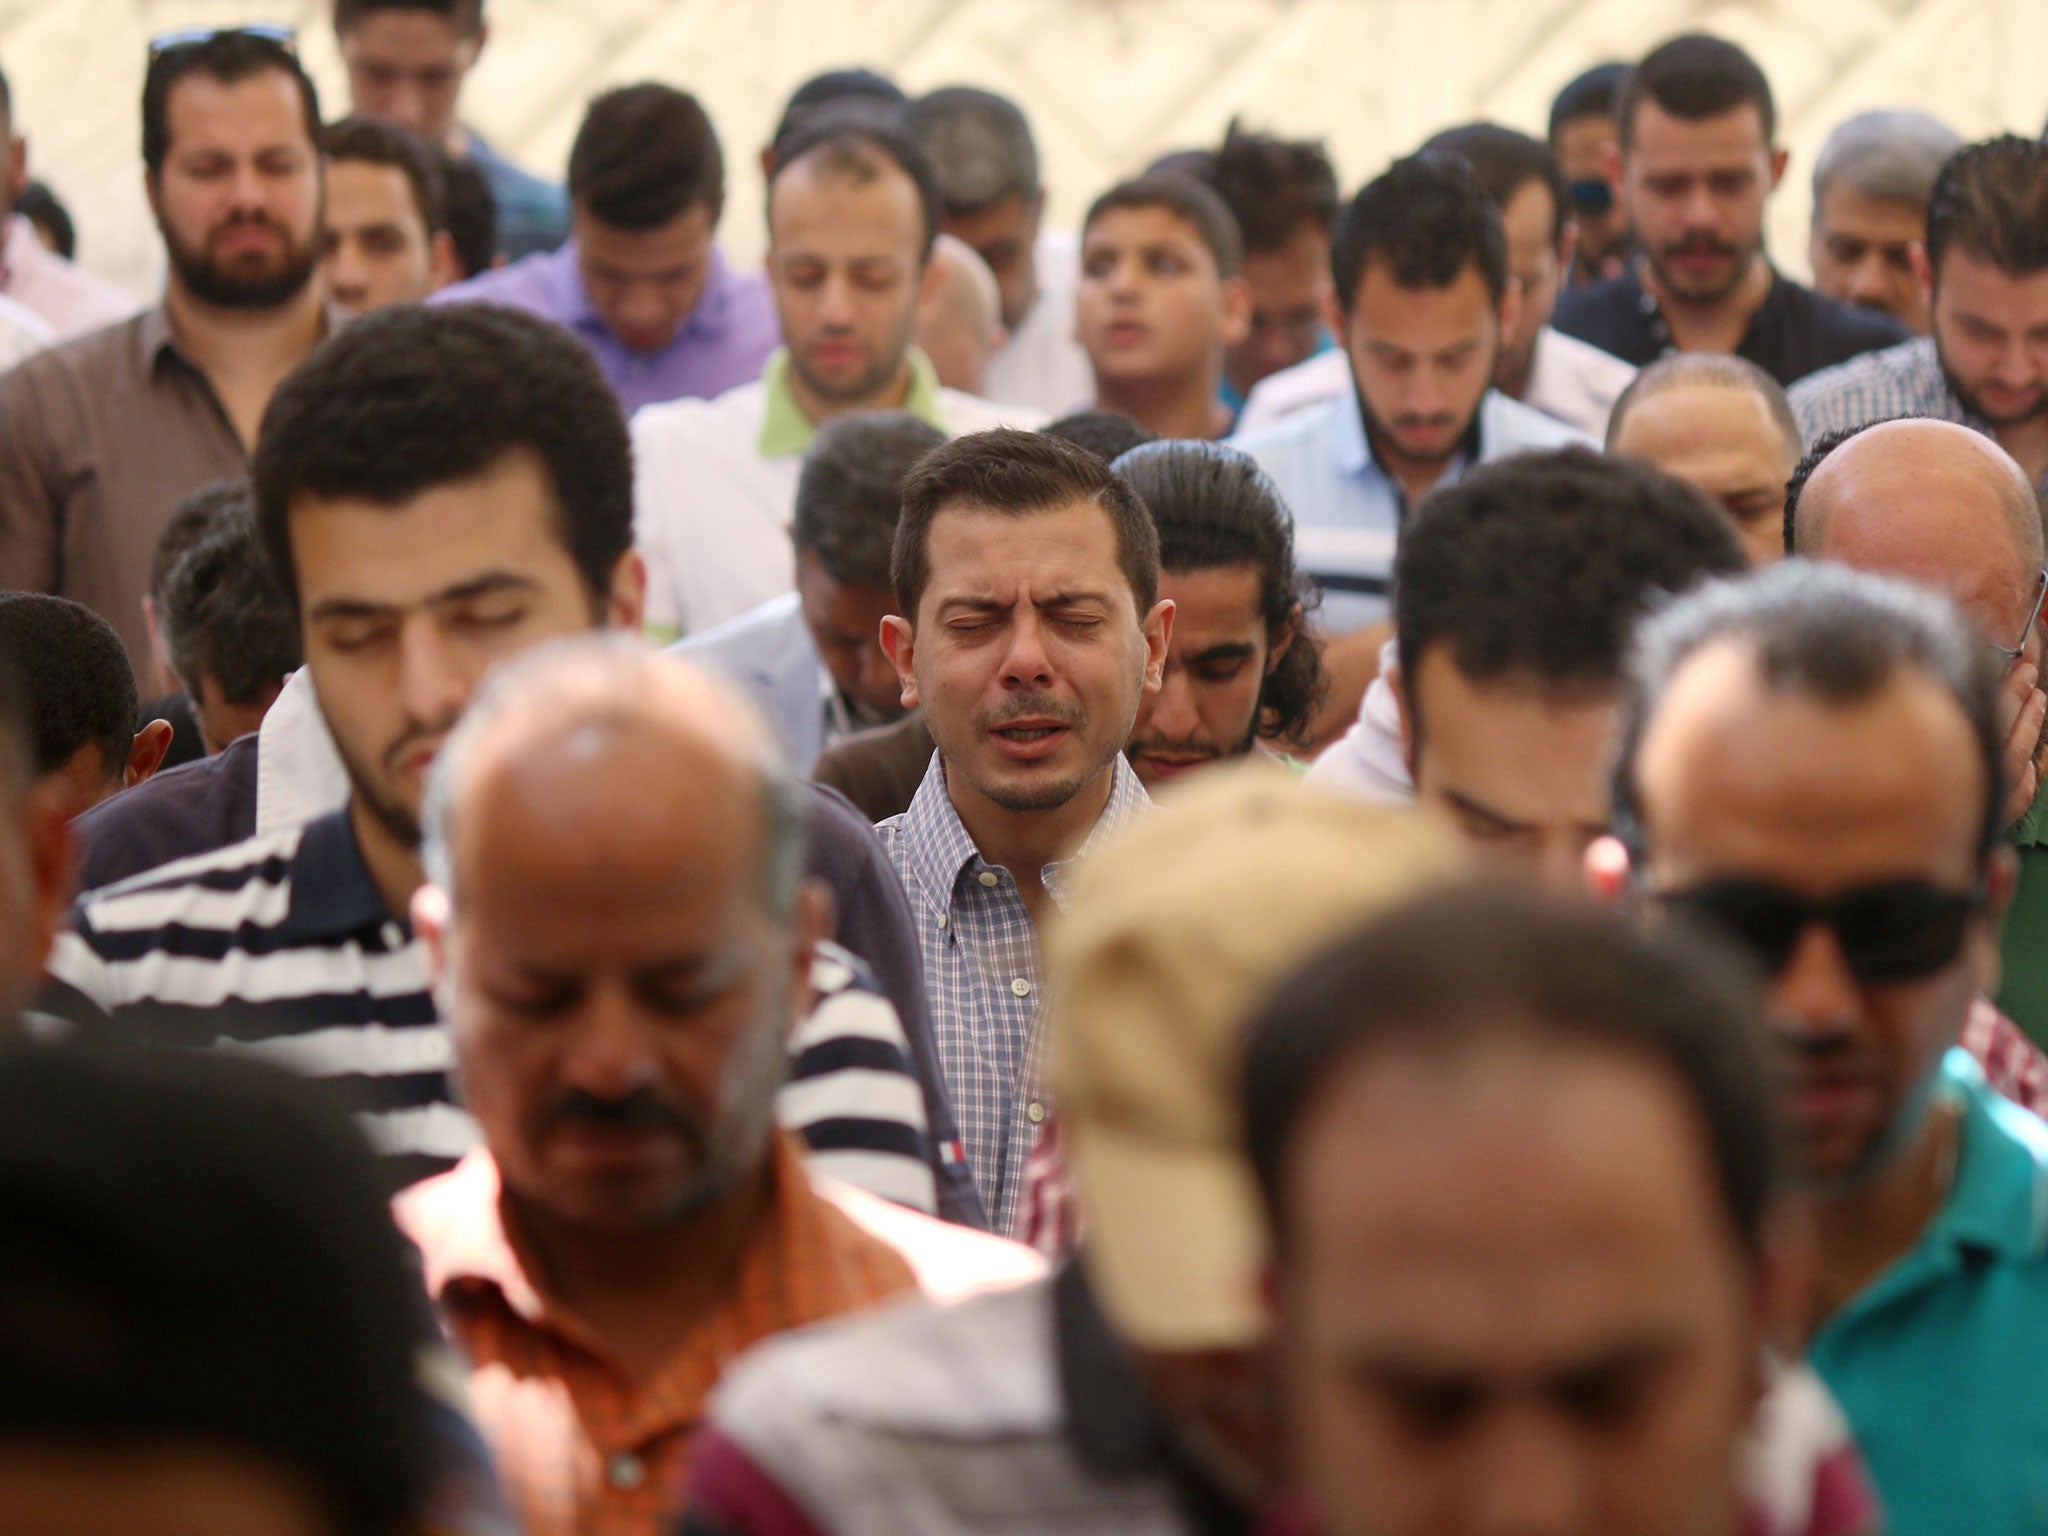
{"x": 1214, "y": 506}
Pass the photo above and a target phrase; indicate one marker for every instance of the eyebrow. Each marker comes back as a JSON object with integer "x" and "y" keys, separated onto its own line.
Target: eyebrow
{"x": 1483, "y": 811}
{"x": 1227, "y": 650}
{"x": 485, "y": 585}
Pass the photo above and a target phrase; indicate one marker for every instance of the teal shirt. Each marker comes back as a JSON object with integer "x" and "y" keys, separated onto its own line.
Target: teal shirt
{"x": 2023, "y": 948}
{"x": 1941, "y": 1362}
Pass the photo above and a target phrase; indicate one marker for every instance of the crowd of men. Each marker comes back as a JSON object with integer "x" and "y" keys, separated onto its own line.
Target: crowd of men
{"x": 585, "y": 935}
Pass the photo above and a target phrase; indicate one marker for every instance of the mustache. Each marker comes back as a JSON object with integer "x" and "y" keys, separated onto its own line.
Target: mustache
{"x": 641, "y": 1110}
{"x": 1701, "y": 245}
{"x": 414, "y": 734}
{"x": 1186, "y": 746}
{"x": 1029, "y": 706}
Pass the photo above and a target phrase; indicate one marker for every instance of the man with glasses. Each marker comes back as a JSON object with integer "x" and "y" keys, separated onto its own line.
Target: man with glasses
{"x": 1934, "y": 502}
{"x": 1810, "y": 764}
{"x": 101, "y": 437}
{"x": 1586, "y": 141}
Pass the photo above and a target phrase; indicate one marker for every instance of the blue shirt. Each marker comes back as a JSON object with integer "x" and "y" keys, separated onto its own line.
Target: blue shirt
{"x": 533, "y": 215}
{"x": 722, "y": 343}
{"x": 1348, "y": 511}
{"x": 1941, "y": 1363}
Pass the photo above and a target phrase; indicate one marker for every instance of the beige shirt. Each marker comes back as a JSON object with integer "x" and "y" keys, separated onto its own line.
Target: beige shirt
{"x": 100, "y": 438}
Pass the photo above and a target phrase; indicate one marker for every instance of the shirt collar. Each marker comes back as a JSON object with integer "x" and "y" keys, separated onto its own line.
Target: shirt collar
{"x": 786, "y": 431}
{"x": 1999, "y": 1201}
{"x": 469, "y": 1243}
{"x": 709, "y": 320}
{"x": 940, "y": 850}
{"x": 160, "y": 343}
{"x": 332, "y": 892}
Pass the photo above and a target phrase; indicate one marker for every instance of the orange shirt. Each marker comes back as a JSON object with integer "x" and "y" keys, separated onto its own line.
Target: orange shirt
{"x": 581, "y": 1450}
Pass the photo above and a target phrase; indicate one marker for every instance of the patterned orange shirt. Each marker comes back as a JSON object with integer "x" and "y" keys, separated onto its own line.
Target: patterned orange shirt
{"x": 581, "y": 1449}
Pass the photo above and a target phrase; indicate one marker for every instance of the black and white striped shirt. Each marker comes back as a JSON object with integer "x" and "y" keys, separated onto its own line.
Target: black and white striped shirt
{"x": 281, "y": 947}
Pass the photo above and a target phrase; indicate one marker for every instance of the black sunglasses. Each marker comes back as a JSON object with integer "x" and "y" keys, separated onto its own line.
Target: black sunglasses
{"x": 1592, "y": 195}
{"x": 1895, "y": 930}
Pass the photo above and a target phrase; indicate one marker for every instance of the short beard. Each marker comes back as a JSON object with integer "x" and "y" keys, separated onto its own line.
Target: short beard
{"x": 1744, "y": 256}
{"x": 1970, "y": 402}
{"x": 869, "y": 384}
{"x": 210, "y": 285}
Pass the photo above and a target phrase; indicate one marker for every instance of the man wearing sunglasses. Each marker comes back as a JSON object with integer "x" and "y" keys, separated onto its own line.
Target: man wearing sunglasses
{"x": 1810, "y": 764}
{"x": 1938, "y": 503}
{"x": 102, "y": 436}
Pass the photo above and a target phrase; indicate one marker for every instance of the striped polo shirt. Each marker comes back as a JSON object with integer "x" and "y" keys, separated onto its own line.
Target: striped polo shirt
{"x": 280, "y": 947}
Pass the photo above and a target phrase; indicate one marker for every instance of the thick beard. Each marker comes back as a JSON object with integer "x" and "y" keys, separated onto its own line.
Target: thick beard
{"x": 400, "y": 824}
{"x": 210, "y": 285}
{"x": 1970, "y": 402}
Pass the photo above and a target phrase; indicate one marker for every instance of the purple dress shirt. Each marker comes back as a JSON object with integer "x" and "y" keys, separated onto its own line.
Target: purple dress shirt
{"x": 723, "y": 343}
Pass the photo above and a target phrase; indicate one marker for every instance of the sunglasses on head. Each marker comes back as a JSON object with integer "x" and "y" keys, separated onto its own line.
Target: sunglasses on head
{"x": 1894, "y": 930}
{"x": 281, "y": 36}
{"x": 1592, "y": 195}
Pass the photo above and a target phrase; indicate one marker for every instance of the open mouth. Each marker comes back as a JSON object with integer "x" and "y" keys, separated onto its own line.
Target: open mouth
{"x": 1026, "y": 740}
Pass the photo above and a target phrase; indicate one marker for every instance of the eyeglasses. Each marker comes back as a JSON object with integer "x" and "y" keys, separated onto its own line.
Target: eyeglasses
{"x": 1893, "y": 930}
{"x": 2011, "y": 653}
{"x": 276, "y": 34}
{"x": 1592, "y": 195}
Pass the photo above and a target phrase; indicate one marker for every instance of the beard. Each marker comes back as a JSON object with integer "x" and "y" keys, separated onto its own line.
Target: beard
{"x": 1202, "y": 746}
{"x": 241, "y": 283}
{"x": 871, "y": 381}
{"x": 1974, "y": 405}
{"x": 1380, "y": 432}
{"x": 1739, "y": 258}
{"x": 400, "y": 822}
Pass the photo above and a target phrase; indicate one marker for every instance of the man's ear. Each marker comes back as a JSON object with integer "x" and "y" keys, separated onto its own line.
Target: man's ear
{"x": 51, "y": 853}
{"x": 1568, "y": 245}
{"x": 1511, "y": 301}
{"x": 930, "y": 283}
{"x": 146, "y": 752}
{"x": 899, "y": 644}
{"x": 1158, "y": 637}
{"x": 430, "y": 915}
{"x": 1780, "y": 158}
{"x": 443, "y": 265}
{"x": 811, "y": 924}
{"x": 1923, "y": 273}
{"x": 1404, "y": 714}
{"x": 625, "y": 604}
{"x": 1237, "y": 311}
{"x": 1277, "y": 646}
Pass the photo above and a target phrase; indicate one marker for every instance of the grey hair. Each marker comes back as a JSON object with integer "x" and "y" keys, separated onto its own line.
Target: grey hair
{"x": 626, "y": 673}
{"x": 1716, "y": 370}
{"x": 1823, "y": 631}
{"x": 979, "y": 144}
{"x": 1893, "y": 154}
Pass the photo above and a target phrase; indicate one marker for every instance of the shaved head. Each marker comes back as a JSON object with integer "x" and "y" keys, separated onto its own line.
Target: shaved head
{"x": 1932, "y": 502}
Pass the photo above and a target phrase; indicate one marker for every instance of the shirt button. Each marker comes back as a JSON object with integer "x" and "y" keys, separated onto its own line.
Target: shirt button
{"x": 394, "y": 936}
{"x": 1035, "y": 1112}
{"x": 625, "y": 1471}
{"x": 942, "y": 919}
{"x": 988, "y": 878}
{"x": 1021, "y": 987}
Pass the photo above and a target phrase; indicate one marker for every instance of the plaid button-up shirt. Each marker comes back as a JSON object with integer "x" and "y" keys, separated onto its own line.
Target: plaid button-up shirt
{"x": 1905, "y": 380}
{"x": 981, "y": 973}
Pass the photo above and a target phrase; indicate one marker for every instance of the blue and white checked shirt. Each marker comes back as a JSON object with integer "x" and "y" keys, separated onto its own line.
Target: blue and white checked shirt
{"x": 1348, "y": 511}
{"x": 981, "y": 971}
{"x": 1905, "y": 380}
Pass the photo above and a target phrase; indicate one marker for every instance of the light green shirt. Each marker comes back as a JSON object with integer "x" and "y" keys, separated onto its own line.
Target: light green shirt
{"x": 786, "y": 430}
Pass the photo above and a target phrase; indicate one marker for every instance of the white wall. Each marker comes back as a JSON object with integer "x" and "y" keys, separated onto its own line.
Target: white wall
{"x": 1108, "y": 83}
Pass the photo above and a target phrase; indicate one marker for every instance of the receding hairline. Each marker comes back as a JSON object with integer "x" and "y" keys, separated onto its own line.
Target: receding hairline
{"x": 1891, "y": 439}
{"x": 1707, "y": 370}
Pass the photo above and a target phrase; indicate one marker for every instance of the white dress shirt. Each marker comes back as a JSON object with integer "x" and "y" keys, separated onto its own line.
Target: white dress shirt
{"x": 70, "y": 298}
{"x": 1042, "y": 365}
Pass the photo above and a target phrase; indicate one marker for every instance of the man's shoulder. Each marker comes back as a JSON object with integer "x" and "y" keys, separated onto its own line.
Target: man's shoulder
{"x": 766, "y": 638}
{"x": 111, "y": 349}
{"x": 1848, "y": 325}
{"x": 1911, "y": 363}
{"x": 964, "y": 413}
{"x": 1507, "y": 426}
{"x": 730, "y": 422}
{"x": 221, "y": 889}
{"x": 1303, "y": 433}
{"x": 523, "y": 284}
{"x": 1607, "y": 314}
{"x": 194, "y": 808}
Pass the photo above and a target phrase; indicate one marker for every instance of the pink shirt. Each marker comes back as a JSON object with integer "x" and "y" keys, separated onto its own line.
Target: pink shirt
{"x": 71, "y": 299}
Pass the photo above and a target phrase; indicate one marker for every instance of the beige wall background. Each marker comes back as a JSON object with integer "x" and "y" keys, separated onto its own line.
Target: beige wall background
{"x": 1108, "y": 83}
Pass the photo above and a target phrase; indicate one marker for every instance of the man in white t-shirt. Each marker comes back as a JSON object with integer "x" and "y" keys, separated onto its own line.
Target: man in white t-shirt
{"x": 986, "y": 168}
{"x": 851, "y": 220}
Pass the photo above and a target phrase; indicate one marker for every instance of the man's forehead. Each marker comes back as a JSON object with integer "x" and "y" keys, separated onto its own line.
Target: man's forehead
{"x": 204, "y": 105}
{"x": 1919, "y": 481}
{"x": 1660, "y": 136}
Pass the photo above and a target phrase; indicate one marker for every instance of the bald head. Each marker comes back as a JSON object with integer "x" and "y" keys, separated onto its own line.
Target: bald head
{"x": 961, "y": 325}
{"x": 599, "y": 743}
{"x": 1932, "y": 502}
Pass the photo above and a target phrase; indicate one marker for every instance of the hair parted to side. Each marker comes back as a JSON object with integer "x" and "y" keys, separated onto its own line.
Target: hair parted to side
{"x": 1991, "y": 199}
{"x": 849, "y": 493}
{"x": 365, "y": 141}
{"x": 1825, "y": 632}
{"x": 1214, "y": 506}
{"x": 1466, "y": 966}
{"x": 1018, "y": 474}
{"x": 1427, "y": 219}
{"x": 229, "y": 58}
{"x": 1693, "y": 78}
{"x": 644, "y": 155}
{"x": 1192, "y": 202}
{"x": 418, "y": 396}
{"x": 1539, "y": 566}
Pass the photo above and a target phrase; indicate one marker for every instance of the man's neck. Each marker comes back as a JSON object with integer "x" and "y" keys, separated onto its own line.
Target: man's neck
{"x": 1187, "y": 406}
{"x": 1513, "y": 376}
{"x": 1709, "y": 325}
{"x": 245, "y": 353}
{"x": 644, "y": 1291}
{"x": 1862, "y": 1231}
{"x": 395, "y": 868}
{"x": 1024, "y": 842}
{"x": 818, "y": 410}
{"x": 1416, "y": 477}
{"x": 2027, "y": 442}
